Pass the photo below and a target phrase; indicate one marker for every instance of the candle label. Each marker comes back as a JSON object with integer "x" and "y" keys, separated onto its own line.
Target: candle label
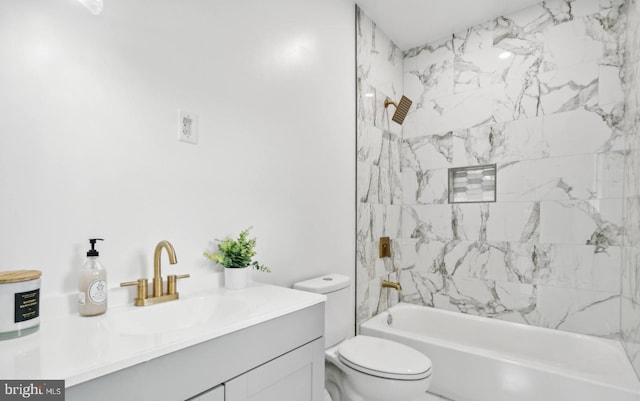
{"x": 27, "y": 306}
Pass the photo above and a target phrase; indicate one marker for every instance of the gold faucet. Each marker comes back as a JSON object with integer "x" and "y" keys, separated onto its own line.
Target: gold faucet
{"x": 158, "y": 296}
{"x": 157, "y": 270}
{"x": 391, "y": 284}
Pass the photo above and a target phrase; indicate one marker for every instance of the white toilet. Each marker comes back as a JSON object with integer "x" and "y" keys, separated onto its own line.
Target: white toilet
{"x": 364, "y": 368}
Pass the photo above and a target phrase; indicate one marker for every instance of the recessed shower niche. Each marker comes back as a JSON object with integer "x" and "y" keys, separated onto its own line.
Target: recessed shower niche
{"x": 472, "y": 184}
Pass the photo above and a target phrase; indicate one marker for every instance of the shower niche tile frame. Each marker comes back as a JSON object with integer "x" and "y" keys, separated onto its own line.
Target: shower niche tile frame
{"x": 472, "y": 184}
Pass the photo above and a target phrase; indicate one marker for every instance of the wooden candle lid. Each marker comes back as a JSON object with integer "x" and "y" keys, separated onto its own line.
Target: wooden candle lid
{"x": 16, "y": 276}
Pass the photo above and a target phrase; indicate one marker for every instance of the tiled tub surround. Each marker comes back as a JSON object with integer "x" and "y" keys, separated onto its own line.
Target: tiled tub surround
{"x": 379, "y": 187}
{"x": 630, "y": 316}
{"x": 540, "y": 93}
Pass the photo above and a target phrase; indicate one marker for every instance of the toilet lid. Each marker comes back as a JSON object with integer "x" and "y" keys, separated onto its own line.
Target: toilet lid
{"x": 384, "y": 358}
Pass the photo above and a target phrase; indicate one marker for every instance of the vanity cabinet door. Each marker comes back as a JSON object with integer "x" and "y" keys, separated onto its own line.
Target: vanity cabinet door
{"x": 215, "y": 394}
{"x": 295, "y": 376}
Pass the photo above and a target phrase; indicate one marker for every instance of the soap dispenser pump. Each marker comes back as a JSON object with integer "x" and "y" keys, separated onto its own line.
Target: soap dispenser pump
{"x": 93, "y": 284}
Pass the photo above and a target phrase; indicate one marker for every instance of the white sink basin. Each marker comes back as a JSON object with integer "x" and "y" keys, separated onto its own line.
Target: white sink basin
{"x": 79, "y": 349}
{"x": 181, "y": 314}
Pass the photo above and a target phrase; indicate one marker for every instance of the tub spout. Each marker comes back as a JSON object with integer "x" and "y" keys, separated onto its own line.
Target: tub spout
{"x": 391, "y": 284}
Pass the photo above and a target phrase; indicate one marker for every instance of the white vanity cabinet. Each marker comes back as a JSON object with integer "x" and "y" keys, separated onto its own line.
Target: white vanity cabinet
{"x": 281, "y": 359}
{"x": 287, "y": 378}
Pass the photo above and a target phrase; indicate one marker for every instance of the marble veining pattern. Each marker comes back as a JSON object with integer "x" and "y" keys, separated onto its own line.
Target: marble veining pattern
{"x": 630, "y": 299}
{"x": 540, "y": 94}
{"x": 379, "y": 178}
{"x": 544, "y": 93}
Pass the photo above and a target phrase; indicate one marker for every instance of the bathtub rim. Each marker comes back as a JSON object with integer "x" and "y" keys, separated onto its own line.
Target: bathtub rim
{"x": 379, "y": 323}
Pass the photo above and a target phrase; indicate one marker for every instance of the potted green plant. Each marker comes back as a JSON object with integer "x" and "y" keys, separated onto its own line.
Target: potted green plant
{"x": 236, "y": 255}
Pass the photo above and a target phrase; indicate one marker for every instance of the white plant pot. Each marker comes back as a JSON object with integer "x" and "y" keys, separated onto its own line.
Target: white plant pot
{"x": 236, "y": 278}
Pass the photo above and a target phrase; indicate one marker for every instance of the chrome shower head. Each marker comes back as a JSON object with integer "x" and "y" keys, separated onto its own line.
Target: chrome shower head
{"x": 402, "y": 108}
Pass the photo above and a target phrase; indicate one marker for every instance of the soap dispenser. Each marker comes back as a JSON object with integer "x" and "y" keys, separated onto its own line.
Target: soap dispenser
{"x": 93, "y": 284}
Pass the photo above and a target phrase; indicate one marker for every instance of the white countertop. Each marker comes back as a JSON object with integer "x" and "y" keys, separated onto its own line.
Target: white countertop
{"x": 77, "y": 349}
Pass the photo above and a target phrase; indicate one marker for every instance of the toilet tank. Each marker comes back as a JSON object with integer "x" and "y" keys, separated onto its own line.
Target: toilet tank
{"x": 337, "y": 319}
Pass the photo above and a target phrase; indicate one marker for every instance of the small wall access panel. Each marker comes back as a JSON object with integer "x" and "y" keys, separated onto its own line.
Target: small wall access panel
{"x": 472, "y": 184}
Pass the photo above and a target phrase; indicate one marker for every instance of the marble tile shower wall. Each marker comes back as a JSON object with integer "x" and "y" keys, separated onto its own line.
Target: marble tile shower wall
{"x": 379, "y": 182}
{"x": 630, "y": 308}
{"x": 539, "y": 93}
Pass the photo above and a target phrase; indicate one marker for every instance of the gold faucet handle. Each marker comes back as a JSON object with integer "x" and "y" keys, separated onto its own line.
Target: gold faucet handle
{"x": 171, "y": 282}
{"x": 142, "y": 287}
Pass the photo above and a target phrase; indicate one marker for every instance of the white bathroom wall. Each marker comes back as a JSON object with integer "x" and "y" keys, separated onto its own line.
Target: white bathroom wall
{"x": 88, "y": 147}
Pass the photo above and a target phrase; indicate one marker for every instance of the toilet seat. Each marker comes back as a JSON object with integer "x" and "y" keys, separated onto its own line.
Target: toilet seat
{"x": 384, "y": 358}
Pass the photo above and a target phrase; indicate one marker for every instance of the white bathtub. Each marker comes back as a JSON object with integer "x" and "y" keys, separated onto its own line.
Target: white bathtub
{"x": 480, "y": 359}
